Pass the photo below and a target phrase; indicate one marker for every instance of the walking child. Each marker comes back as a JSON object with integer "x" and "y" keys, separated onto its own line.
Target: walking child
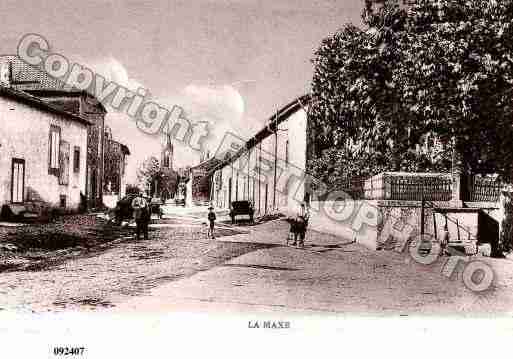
{"x": 211, "y": 220}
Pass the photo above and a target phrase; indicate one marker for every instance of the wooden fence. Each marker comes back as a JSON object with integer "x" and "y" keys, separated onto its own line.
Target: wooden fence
{"x": 436, "y": 187}
{"x": 399, "y": 187}
{"x": 484, "y": 190}
{"x": 417, "y": 188}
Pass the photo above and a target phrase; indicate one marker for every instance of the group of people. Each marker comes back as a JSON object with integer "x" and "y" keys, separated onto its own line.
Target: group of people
{"x": 297, "y": 233}
{"x": 142, "y": 215}
{"x": 298, "y": 226}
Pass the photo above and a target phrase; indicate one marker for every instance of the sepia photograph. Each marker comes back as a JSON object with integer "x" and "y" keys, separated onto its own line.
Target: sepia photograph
{"x": 250, "y": 178}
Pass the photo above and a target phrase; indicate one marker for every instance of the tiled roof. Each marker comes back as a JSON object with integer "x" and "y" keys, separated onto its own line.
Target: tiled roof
{"x": 27, "y": 77}
{"x": 37, "y": 82}
{"x": 36, "y": 102}
{"x": 281, "y": 115}
{"x": 68, "y": 106}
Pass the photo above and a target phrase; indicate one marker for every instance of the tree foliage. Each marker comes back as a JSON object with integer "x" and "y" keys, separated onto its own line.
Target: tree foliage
{"x": 157, "y": 181}
{"x": 442, "y": 67}
{"x": 149, "y": 170}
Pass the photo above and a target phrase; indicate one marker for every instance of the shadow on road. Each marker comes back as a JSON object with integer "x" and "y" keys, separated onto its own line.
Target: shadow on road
{"x": 257, "y": 266}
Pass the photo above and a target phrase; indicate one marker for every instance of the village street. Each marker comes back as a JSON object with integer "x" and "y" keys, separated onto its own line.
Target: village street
{"x": 245, "y": 269}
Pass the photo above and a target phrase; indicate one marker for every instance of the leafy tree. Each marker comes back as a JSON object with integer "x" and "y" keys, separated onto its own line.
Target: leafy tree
{"x": 462, "y": 52}
{"x": 442, "y": 67}
{"x": 156, "y": 180}
{"x": 149, "y": 170}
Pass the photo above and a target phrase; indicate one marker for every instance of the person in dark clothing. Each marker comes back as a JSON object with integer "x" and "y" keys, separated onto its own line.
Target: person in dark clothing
{"x": 142, "y": 216}
{"x": 298, "y": 225}
{"x": 211, "y": 220}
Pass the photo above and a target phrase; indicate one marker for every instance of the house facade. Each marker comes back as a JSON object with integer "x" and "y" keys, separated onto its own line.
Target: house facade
{"x": 199, "y": 184}
{"x": 85, "y": 105}
{"x": 36, "y": 82}
{"x": 42, "y": 152}
{"x": 115, "y": 160}
{"x": 165, "y": 186}
{"x": 268, "y": 169}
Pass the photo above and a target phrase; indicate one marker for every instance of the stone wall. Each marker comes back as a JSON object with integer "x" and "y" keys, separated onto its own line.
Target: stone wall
{"x": 381, "y": 224}
{"x": 353, "y": 221}
{"x": 25, "y": 135}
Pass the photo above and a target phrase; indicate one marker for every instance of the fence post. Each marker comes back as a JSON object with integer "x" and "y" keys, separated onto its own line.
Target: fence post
{"x": 422, "y": 209}
{"x": 434, "y": 225}
{"x": 456, "y": 177}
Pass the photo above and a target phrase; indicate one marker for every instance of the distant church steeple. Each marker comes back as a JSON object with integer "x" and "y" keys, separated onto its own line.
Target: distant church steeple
{"x": 167, "y": 152}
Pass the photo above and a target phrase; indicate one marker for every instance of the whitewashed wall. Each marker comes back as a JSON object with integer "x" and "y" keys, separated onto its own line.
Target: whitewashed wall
{"x": 261, "y": 192}
{"x": 24, "y": 132}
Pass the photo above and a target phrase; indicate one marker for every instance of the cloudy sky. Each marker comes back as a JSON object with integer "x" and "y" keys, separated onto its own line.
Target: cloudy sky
{"x": 231, "y": 62}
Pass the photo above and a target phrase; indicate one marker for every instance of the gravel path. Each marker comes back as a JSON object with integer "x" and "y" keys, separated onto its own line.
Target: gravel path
{"x": 179, "y": 269}
{"x": 105, "y": 270}
{"x": 330, "y": 275}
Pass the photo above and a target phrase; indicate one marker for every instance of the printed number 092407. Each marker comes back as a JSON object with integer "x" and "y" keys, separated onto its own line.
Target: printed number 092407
{"x": 68, "y": 350}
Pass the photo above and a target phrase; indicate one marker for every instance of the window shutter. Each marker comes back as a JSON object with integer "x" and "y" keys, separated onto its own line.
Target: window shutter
{"x": 76, "y": 159}
{"x": 53, "y": 150}
{"x": 64, "y": 163}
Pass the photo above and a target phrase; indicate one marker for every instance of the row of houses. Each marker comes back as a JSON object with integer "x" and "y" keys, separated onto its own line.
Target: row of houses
{"x": 268, "y": 171}
{"x": 53, "y": 142}
{"x": 279, "y": 153}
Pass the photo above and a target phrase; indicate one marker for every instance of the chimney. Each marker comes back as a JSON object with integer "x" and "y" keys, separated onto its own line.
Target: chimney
{"x": 6, "y": 74}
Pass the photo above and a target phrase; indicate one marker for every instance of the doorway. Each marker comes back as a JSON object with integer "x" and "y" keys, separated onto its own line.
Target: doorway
{"x": 17, "y": 180}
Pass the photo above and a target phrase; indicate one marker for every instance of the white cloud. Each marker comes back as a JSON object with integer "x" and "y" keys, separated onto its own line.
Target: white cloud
{"x": 114, "y": 70}
{"x": 221, "y": 106}
{"x": 221, "y": 102}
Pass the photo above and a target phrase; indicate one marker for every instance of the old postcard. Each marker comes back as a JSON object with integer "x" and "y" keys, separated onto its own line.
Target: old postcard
{"x": 191, "y": 178}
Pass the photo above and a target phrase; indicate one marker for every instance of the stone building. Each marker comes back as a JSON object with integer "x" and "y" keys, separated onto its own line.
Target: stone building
{"x": 269, "y": 171}
{"x": 35, "y": 82}
{"x": 268, "y": 168}
{"x": 164, "y": 183}
{"x": 199, "y": 185}
{"x": 115, "y": 161}
{"x": 42, "y": 152}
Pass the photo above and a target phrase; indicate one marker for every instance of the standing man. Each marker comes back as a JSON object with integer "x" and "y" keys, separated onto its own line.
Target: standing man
{"x": 141, "y": 215}
{"x": 301, "y": 224}
{"x": 211, "y": 220}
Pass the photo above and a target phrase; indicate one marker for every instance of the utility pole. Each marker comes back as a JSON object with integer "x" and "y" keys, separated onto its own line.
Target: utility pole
{"x": 422, "y": 214}
{"x": 275, "y": 157}
{"x": 422, "y": 208}
{"x": 259, "y": 176}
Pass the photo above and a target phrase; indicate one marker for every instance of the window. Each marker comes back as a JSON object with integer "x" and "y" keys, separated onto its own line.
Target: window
{"x": 123, "y": 165}
{"x": 53, "y": 148}
{"x": 62, "y": 201}
{"x": 64, "y": 163}
{"x": 166, "y": 160}
{"x": 17, "y": 180}
{"x": 76, "y": 159}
